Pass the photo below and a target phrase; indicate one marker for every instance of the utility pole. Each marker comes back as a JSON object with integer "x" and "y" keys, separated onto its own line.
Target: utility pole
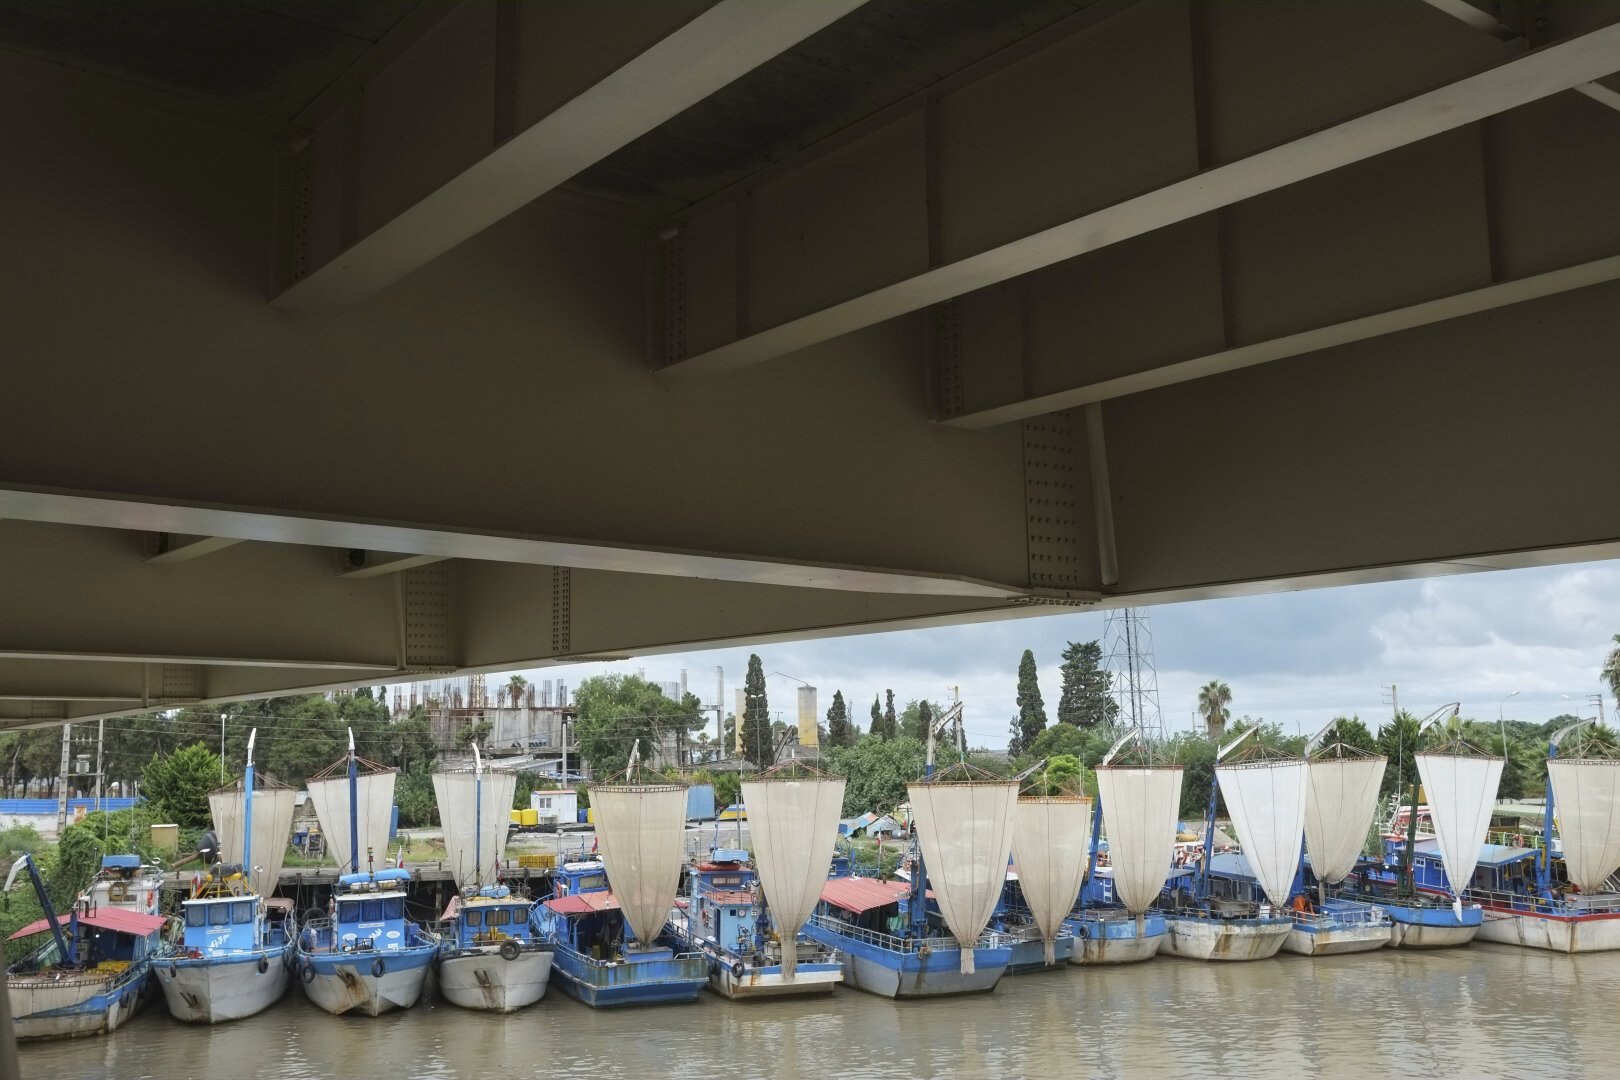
{"x": 101, "y": 730}
{"x": 222, "y": 746}
{"x": 62, "y": 782}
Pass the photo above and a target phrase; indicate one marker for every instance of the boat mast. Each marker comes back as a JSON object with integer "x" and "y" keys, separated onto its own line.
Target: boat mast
{"x": 478, "y": 819}
{"x": 27, "y": 861}
{"x": 1544, "y": 863}
{"x": 247, "y": 810}
{"x": 1407, "y": 885}
{"x": 354, "y": 809}
{"x": 1202, "y": 891}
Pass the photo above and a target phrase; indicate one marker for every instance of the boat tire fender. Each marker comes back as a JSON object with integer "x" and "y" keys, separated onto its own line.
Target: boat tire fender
{"x": 172, "y": 969}
{"x": 264, "y": 964}
{"x": 378, "y": 968}
{"x": 509, "y": 950}
{"x": 307, "y": 973}
{"x": 736, "y": 969}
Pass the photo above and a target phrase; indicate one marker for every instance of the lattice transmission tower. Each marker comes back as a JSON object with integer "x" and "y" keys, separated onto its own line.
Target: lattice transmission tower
{"x": 1128, "y": 643}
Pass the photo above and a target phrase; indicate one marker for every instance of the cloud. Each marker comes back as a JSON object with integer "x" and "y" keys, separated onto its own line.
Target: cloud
{"x": 1296, "y": 658}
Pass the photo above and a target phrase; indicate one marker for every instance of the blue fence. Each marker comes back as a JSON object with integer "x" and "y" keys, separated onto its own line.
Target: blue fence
{"x": 48, "y": 806}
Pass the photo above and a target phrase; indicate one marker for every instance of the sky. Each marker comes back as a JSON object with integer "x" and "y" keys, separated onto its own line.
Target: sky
{"x": 1298, "y": 659}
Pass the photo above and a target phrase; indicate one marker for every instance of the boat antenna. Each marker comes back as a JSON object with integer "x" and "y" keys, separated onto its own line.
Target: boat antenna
{"x": 354, "y": 809}
{"x": 247, "y": 810}
{"x": 478, "y": 817}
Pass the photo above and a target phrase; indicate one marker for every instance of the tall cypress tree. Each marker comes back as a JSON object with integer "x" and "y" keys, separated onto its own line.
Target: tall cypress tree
{"x": 839, "y": 732}
{"x": 1031, "y": 709}
{"x": 1086, "y": 700}
{"x": 758, "y": 746}
{"x": 877, "y": 719}
{"x": 890, "y": 727}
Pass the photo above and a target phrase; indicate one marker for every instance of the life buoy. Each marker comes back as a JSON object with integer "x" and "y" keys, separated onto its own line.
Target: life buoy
{"x": 264, "y": 964}
{"x": 510, "y": 950}
{"x": 378, "y": 968}
{"x": 308, "y": 971}
{"x": 736, "y": 969}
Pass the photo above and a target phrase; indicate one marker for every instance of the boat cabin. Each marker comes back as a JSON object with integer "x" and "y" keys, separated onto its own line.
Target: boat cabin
{"x": 220, "y": 925}
{"x": 722, "y": 903}
{"x": 880, "y": 907}
{"x": 369, "y": 912}
{"x": 490, "y": 916}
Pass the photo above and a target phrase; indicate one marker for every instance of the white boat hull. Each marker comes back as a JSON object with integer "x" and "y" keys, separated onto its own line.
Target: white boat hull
{"x": 763, "y": 984}
{"x": 71, "y": 1009}
{"x": 1215, "y": 939}
{"x": 1332, "y": 942}
{"x": 212, "y": 993}
{"x": 1582, "y": 935}
{"x": 354, "y": 989}
{"x": 1417, "y": 936}
{"x": 1104, "y": 950}
{"x": 489, "y": 982}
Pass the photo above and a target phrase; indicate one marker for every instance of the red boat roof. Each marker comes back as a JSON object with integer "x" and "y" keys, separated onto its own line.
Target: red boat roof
{"x": 862, "y": 894}
{"x": 116, "y": 919}
{"x": 581, "y": 903}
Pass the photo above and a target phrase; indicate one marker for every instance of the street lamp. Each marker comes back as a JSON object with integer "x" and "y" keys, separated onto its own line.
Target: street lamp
{"x": 1502, "y": 723}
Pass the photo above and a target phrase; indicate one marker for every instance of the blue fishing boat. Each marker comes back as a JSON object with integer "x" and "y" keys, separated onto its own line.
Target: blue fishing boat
{"x": 365, "y": 954}
{"x": 723, "y": 915}
{"x": 90, "y": 975}
{"x": 597, "y": 958}
{"x": 1321, "y": 926}
{"x": 1014, "y": 920}
{"x": 235, "y": 952}
{"x": 1423, "y": 915}
{"x": 1210, "y": 918}
{"x": 491, "y": 957}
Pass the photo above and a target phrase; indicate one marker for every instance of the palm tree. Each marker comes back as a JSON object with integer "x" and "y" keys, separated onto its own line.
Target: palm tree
{"x": 1213, "y": 700}
{"x": 515, "y": 686}
{"x": 1611, "y": 669}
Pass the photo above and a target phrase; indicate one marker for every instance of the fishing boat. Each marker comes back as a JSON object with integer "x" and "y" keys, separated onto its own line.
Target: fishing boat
{"x": 364, "y": 954}
{"x": 1212, "y": 916}
{"x": 1115, "y": 920}
{"x": 606, "y": 919}
{"x": 1341, "y": 800}
{"x": 1051, "y": 839}
{"x": 750, "y": 926}
{"x": 491, "y": 957}
{"x": 1409, "y": 882}
{"x": 90, "y": 975}
{"x": 1561, "y": 896}
{"x": 891, "y": 945}
{"x": 234, "y": 953}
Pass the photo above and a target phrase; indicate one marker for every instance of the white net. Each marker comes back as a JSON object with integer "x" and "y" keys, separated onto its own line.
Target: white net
{"x": 375, "y": 800}
{"x": 1266, "y": 800}
{"x": 474, "y": 813}
{"x": 272, "y": 827}
{"x": 793, "y": 825}
{"x": 1586, "y": 797}
{"x": 641, "y": 829}
{"x": 965, "y": 832}
{"x": 1051, "y": 843}
{"x": 1140, "y": 807}
{"x": 1339, "y": 811}
{"x": 1461, "y": 792}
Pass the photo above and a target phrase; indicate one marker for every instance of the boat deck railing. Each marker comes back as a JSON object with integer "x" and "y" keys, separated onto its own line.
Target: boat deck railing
{"x": 594, "y": 962}
{"x": 1102, "y": 914}
{"x": 1565, "y": 906}
{"x": 1342, "y": 915}
{"x": 987, "y": 940}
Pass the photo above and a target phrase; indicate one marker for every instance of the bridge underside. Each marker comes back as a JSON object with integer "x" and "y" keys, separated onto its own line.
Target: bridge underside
{"x": 428, "y": 338}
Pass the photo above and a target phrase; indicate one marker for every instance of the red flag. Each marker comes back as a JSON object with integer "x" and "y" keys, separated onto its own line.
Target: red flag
{"x": 593, "y": 845}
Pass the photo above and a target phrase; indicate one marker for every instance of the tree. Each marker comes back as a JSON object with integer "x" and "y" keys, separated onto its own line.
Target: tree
{"x": 1059, "y": 740}
{"x": 876, "y": 771}
{"x": 1611, "y": 669}
{"x": 1086, "y": 701}
{"x": 616, "y": 711}
{"x": 915, "y": 718}
{"x": 1213, "y": 700}
{"x": 877, "y": 718}
{"x": 413, "y": 793}
{"x": 1031, "y": 718}
{"x": 1065, "y": 775}
{"x": 475, "y": 733}
{"x": 758, "y": 747}
{"x": 515, "y": 687}
{"x": 1397, "y": 741}
{"x": 839, "y": 731}
{"x": 177, "y": 785}
{"x": 891, "y": 727}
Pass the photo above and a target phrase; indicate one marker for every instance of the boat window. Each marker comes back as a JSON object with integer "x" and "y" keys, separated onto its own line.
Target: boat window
{"x": 499, "y": 917}
{"x": 196, "y": 915}
{"x": 475, "y": 918}
{"x": 219, "y": 914}
{"x": 394, "y": 907}
{"x": 349, "y": 911}
{"x": 592, "y": 881}
{"x": 242, "y": 911}
{"x": 372, "y": 911}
